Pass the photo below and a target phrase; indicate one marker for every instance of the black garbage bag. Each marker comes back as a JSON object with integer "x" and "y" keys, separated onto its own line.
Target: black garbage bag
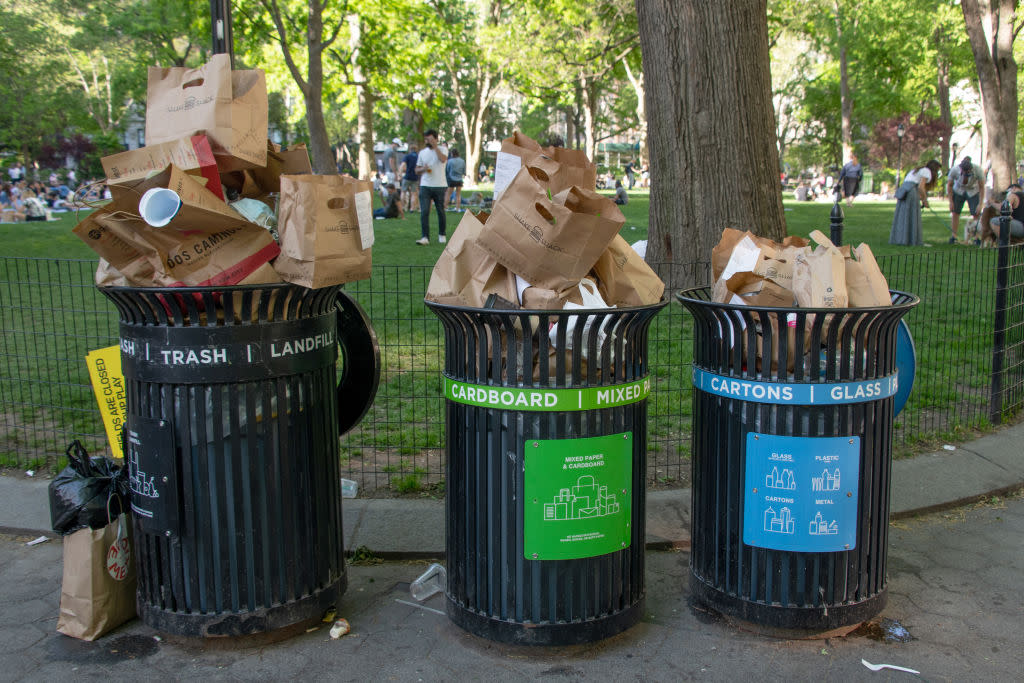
{"x": 79, "y": 495}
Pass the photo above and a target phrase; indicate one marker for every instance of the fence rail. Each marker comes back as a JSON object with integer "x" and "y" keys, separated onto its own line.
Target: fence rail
{"x": 52, "y": 315}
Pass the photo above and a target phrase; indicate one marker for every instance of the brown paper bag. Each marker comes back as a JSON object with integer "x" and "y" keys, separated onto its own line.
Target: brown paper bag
{"x": 206, "y": 244}
{"x": 109, "y": 276}
{"x": 864, "y": 280}
{"x": 624, "y": 278}
{"x": 465, "y": 274}
{"x": 539, "y": 298}
{"x": 819, "y": 277}
{"x": 92, "y": 600}
{"x": 230, "y": 106}
{"x": 259, "y": 183}
{"x": 722, "y": 252}
{"x": 138, "y": 163}
{"x": 551, "y": 242}
{"x": 326, "y": 228}
{"x": 559, "y": 168}
{"x": 125, "y": 256}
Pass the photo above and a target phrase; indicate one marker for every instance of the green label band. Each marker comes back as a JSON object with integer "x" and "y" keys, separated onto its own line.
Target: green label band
{"x": 547, "y": 400}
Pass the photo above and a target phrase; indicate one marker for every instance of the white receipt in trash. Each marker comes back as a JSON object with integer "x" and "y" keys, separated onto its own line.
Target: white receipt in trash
{"x": 364, "y": 214}
{"x": 505, "y": 169}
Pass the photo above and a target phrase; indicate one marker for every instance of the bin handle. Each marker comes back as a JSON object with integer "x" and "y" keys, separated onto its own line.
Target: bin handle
{"x": 360, "y": 353}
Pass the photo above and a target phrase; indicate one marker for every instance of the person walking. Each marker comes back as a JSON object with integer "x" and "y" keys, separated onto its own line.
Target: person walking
{"x": 410, "y": 181}
{"x": 391, "y": 162}
{"x": 963, "y": 185}
{"x": 630, "y": 174}
{"x": 455, "y": 171}
{"x": 911, "y": 197}
{"x": 849, "y": 179}
{"x": 433, "y": 185}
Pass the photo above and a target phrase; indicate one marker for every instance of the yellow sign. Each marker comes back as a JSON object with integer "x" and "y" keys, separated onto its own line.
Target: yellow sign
{"x": 108, "y": 385}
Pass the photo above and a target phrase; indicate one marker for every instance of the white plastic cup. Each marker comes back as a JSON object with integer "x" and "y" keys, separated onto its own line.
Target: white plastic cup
{"x": 434, "y": 580}
{"x": 159, "y": 205}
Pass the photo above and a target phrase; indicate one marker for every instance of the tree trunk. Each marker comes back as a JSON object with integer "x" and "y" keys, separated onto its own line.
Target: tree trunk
{"x": 990, "y": 29}
{"x": 846, "y": 103}
{"x": 588, "y": 100}
{"x": 471, "y": 114}
{"x": 474, "y": 146}
{"x": 364, "y": 128}
{"x": 365, "y": 97}
{"x": 945, "y": 113}
{"x": 570, "y": 126}
{"x": 711, "y": 132}
{"x": 312, "y": 85}
{"x": 320, "y": 156}
{"x": 412, "y": 119}
{"x": 637, "y": 81}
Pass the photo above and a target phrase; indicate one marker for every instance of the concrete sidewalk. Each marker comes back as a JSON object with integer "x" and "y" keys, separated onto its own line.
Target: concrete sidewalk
{"x": 408, "y": 528}
{"x": 954, "y": 585}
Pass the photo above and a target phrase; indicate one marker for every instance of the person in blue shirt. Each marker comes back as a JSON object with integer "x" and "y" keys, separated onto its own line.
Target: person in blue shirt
{"x": 455, "y": 171}
{"x": 410, "y": 181}
{"x": 850, "y": 177}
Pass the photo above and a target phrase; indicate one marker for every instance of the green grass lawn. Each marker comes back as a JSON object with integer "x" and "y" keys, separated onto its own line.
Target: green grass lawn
{"x": 52, "y": 316}
{"x": 395, "y": 242}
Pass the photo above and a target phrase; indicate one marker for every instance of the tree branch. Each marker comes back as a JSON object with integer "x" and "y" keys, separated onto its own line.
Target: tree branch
{"x": 282, "y": 36}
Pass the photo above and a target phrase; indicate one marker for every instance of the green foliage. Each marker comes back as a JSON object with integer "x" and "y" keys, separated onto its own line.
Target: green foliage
{"x": 892, "y": 47}
{"x": 408, "y": 483}
{"x": 363, "y": 556}
{"x": 104, "y": 144}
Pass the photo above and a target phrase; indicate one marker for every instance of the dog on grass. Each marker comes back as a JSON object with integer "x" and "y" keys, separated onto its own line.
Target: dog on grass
{"x": 972, "y": 231}
{"x": 986, "y": 236}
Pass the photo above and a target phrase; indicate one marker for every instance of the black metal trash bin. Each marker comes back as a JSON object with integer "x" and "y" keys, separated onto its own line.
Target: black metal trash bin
{"x": 792, "y": 450}
{"x": 232, "y": 448}
{"x": 546, "y": 471}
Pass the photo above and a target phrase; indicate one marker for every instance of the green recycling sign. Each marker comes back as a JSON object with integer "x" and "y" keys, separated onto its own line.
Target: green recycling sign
{"x": 578, "y": 496}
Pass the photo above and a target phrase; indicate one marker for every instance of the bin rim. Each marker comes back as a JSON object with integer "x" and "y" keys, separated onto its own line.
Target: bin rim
{"x": 560, "y": 312}
{"x": 906, "y": 301}
{"x": 213, "y": 288}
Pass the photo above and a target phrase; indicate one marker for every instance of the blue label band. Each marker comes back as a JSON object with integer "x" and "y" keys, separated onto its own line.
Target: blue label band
{"x": 835, "y": 393}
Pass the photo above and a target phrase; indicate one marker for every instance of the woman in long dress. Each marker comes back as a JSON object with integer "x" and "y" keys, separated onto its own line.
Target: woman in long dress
{"x": 911, "y": 197}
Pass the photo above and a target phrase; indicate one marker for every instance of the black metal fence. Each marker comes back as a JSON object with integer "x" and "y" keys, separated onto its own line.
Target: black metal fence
{"x": 52, "y": 315}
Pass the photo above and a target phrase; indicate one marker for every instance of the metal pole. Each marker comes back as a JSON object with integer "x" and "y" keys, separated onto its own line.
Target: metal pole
{"x": 220, "y": 22}
{"x": 899, "y": 163}
{"x": 999, "y": 324}
{"x": 836, "y": 225}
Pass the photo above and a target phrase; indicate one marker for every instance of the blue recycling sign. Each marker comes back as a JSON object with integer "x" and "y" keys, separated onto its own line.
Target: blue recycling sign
{"x": 800, "y": 493}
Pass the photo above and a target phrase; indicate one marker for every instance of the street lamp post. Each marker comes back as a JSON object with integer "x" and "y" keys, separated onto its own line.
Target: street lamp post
{"x": 900, "y": 132}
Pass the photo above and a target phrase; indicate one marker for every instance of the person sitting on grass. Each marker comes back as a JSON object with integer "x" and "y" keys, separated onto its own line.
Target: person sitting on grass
{"x": 1015, "y": 196}
{"x": 621, "y": 197}
{"x": 392, "y": 205}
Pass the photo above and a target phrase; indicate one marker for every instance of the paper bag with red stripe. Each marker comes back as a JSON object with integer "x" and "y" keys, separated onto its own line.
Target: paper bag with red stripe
{"x": 207, "y": 243}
